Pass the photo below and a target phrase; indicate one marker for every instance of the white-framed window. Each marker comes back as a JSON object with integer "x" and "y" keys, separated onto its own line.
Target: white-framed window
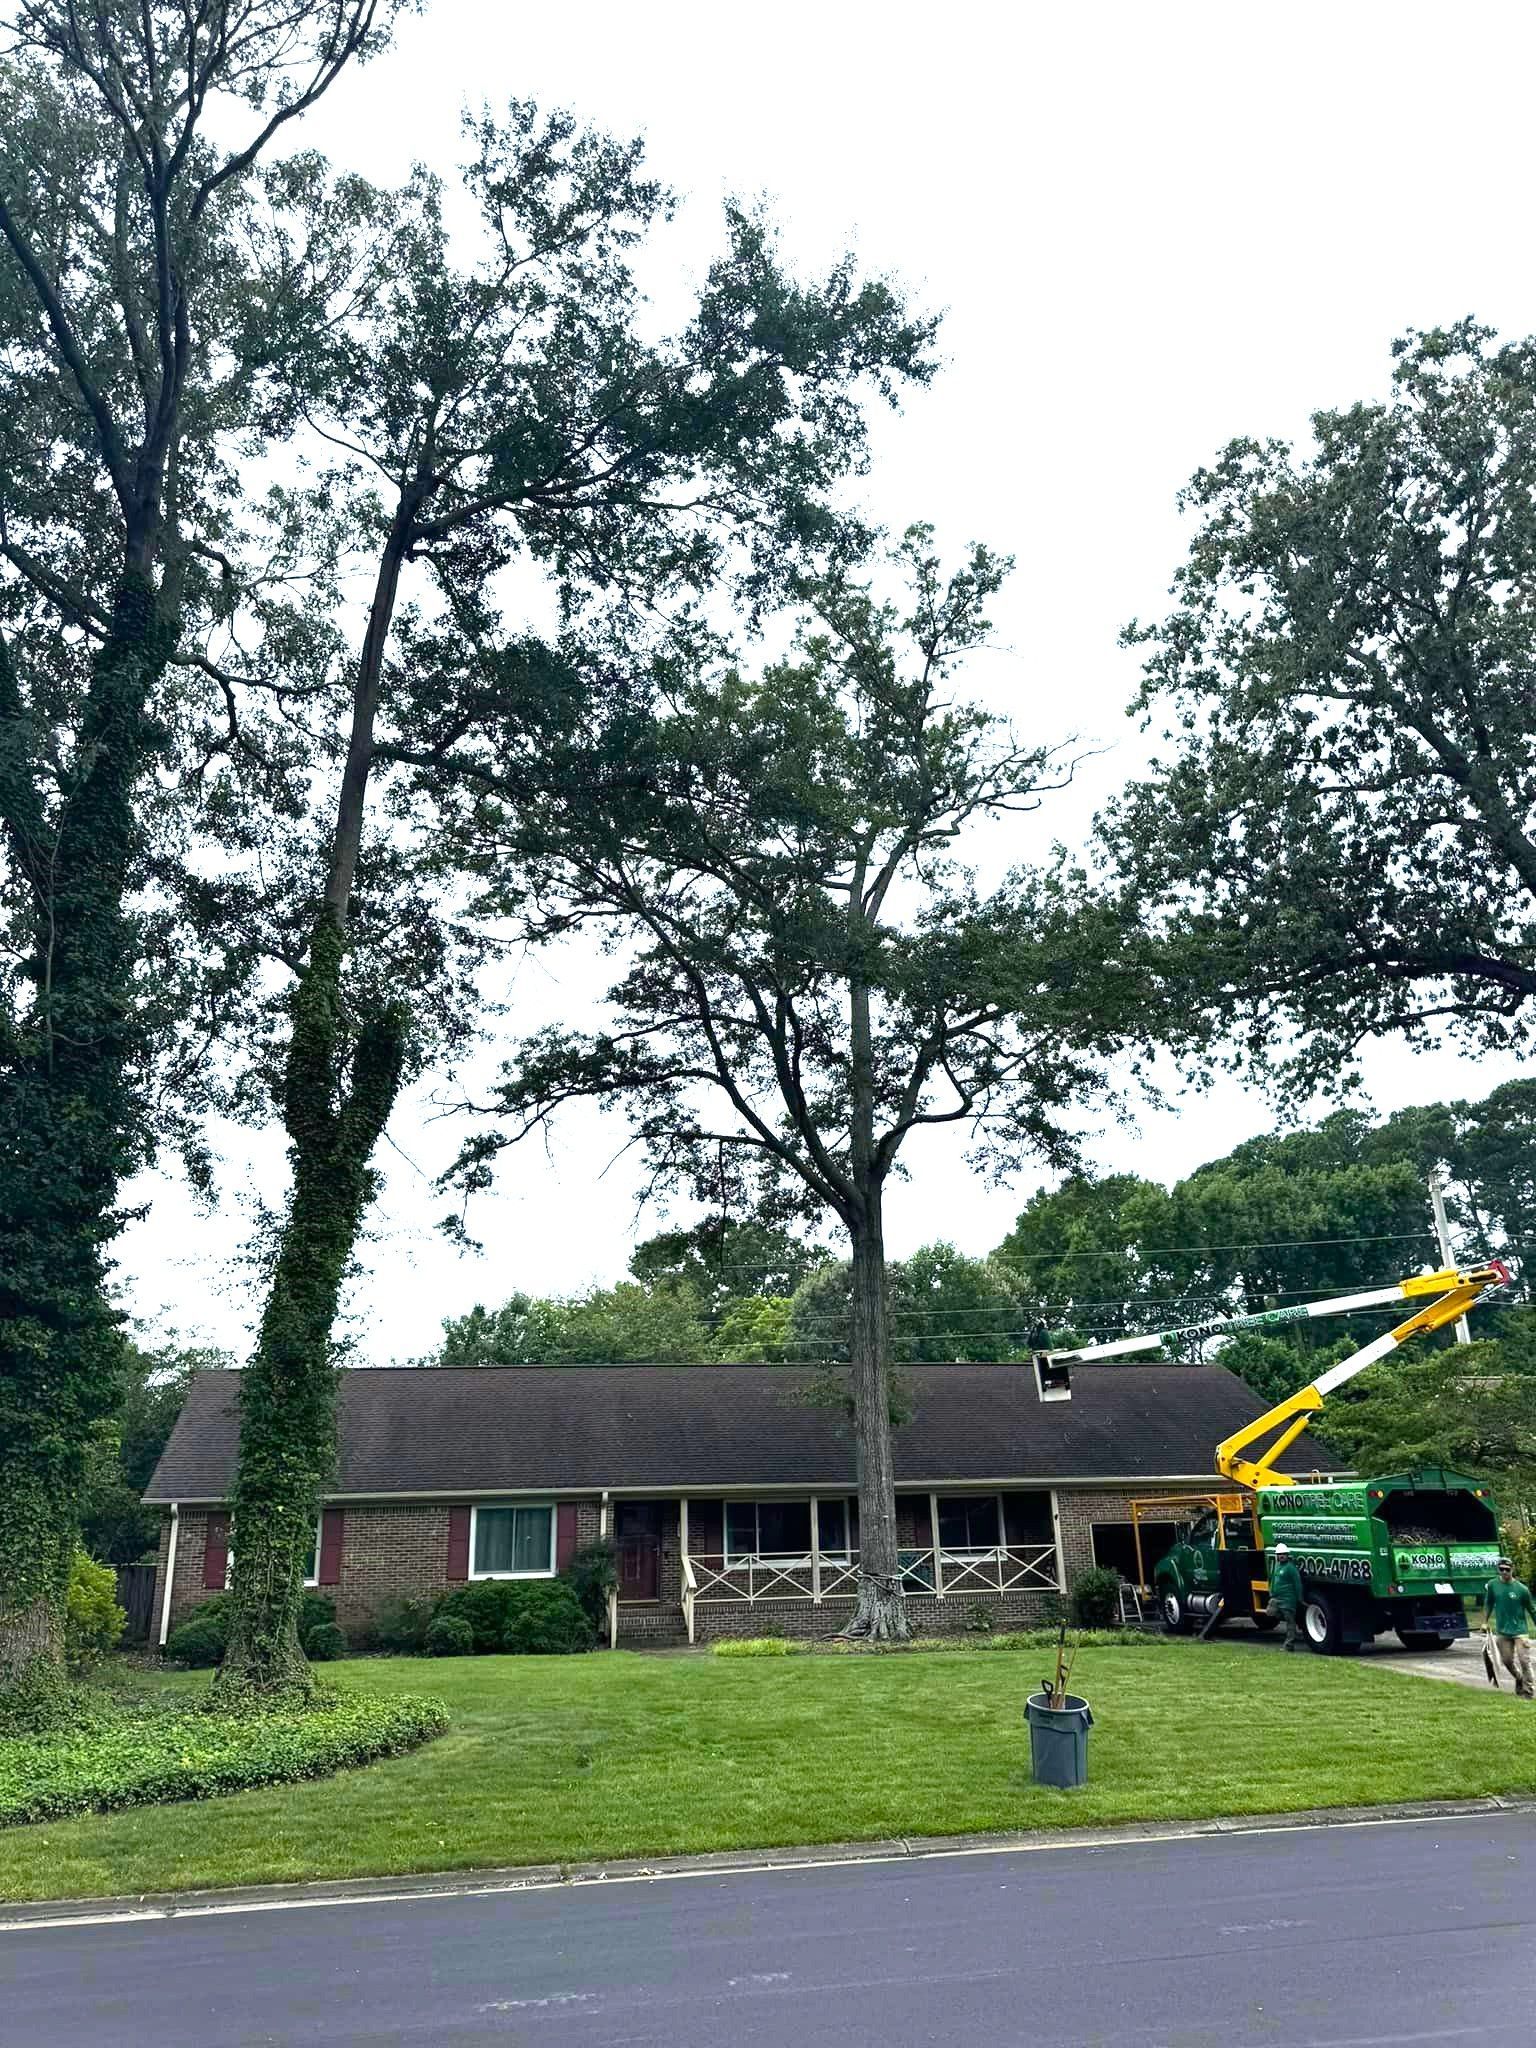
{"x": 516, "y": 1541}
{"x": 970, "y": 1524}
{"x": 782, "y": 1529}
{"x": 312, "y": 1562}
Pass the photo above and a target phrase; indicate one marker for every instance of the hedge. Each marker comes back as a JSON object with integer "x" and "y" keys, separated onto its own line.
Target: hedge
{"x": 1016, "y": 1639}
{"x": 143, "y": 1755}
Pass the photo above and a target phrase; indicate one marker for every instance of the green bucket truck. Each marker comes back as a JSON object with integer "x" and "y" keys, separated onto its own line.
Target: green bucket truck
{"x": 1405, "y": 1551}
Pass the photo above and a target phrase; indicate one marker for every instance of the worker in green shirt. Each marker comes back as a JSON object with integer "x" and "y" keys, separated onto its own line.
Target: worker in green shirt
{"x": 1507, "y": 1607}
{"x": 1285, "y": 1593}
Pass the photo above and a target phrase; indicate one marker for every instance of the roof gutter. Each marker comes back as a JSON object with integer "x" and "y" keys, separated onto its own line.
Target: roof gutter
{"x": 170, "y": 1573}
{"x": 737, "y": 1488}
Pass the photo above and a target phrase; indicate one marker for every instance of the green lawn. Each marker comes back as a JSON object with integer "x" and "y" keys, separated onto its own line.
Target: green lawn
{"x": 570, "y": 1758}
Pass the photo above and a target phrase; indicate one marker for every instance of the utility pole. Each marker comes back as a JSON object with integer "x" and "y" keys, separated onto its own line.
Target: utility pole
{"x": 1437, "y": 1203}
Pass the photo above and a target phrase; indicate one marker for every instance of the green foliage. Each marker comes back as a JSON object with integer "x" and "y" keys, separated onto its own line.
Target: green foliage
{"x": 942, "y": 1306}
{"x": 324, "y": 1644}
{"x": 203, "y": 1637}
{"x": 981, "y": 1621}
{"x": 400, "y": 1627}
{"x": 1108, "y": 1638}
{"x": 592, "y": 1574}
{"x": 759, "y": 1646}
{"x": 634, "y": 1323}
{"x": 449, "y": 1635}
{"x": 1454, "y": 1407}
{"x": 115, "y": 1525}
{"x": 524, "y": 1617}
{"x": 93, "y": 1621}
{"x": 143, "y": 1755}
{"x": 1096, "y": 1598}
{"x": 1517, "y": 1540}
{"x": 1338, "y": 838}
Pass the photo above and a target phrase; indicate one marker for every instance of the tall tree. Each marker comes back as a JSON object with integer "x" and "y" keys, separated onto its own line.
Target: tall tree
{"x": 116, "y": 191}
{"x": 812, "y": 977}
{"x": 1341, "y": 837}
{"x": 508, "y": 409}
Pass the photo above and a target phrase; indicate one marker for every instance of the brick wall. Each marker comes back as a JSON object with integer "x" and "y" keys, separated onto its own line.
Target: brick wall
{"x": 390, "y": 1550}
{"x": 1079, "y": 1508}
{"x": 394, "y": 1550}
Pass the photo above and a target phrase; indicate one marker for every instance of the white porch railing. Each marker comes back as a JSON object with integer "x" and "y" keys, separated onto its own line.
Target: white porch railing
{"x": 761, "y": 1578}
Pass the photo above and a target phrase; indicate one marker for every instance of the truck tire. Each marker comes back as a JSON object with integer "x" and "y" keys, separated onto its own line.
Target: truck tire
{"x": 1175, "y": 1614}
{"x": 1424, "y": 1639}
{"x": 1322, "y": 1624}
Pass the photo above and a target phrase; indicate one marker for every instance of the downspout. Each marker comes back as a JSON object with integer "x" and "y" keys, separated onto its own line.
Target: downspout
{"x": 170, "y": 1573}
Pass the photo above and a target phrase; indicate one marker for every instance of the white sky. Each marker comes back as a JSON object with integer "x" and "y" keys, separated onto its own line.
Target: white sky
{"x": 1151, "y": 228}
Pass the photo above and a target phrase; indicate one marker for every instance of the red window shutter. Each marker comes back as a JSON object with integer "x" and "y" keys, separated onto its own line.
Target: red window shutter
{"x": 565, "y": 1534}
{"x": 216, "y": 1554}
{"x": 332, "y": 1525}
{"x": 458, "y": 1543}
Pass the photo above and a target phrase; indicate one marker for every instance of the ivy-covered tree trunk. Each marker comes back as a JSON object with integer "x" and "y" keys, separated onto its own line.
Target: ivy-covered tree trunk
{"x": 335, "y": 1107}
{"x": 288, "y": 1391}
{"x": 66, "y": 1111}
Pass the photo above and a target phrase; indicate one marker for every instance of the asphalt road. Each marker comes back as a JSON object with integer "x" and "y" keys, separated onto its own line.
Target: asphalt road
{"x": 1335, "y": 1938}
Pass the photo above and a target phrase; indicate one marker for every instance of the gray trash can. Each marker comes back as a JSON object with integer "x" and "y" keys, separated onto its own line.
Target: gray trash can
{"x": 1058, "y": 1739}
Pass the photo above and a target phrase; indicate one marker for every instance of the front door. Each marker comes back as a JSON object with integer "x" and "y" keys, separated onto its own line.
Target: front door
{"x": 637, "y": 1529}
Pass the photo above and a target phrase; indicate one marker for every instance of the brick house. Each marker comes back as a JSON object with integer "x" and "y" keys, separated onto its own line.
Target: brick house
{"x": 731, "y": 1500}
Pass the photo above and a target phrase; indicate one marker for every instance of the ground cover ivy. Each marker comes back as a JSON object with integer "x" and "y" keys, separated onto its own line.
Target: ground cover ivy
{"x": 136, "y": 1753}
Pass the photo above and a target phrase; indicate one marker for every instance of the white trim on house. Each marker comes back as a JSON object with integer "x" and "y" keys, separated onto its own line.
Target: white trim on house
{"x": 765, "y": 1490}
{"x": 170, "y": 1573}
{"x": 474, "y": 1538}
{"x": 312, "y": 1579}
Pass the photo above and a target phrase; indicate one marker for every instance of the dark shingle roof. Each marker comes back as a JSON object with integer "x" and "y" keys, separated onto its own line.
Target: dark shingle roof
{"x": 446, "y": 1430}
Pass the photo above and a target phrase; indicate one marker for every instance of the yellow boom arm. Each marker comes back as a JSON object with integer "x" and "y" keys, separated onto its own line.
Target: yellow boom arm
{"x": 1455, "y": 1293}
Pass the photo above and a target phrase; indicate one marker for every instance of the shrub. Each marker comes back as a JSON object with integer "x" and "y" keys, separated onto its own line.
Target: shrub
{"x": 1517, "y": 1540}
{"x": 1096, "y": 1598}
{"x": 592, "y": 1575}
{"x": 203, "y": 1636}
{"x": 527, "y": 1617}
{"x": 449, "y": 1635}
{"x": 93, "y": 1621}
{"x": 759, "y": 1646}
{"x": 981, "y": 1621}
{"x": 400, "y": 1626}
{"x": 135, "y": 1756}
{"x": 325, "y": 1643}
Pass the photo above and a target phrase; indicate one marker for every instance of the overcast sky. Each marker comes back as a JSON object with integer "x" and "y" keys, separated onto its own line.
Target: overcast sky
{"x": 1149, "y": 228}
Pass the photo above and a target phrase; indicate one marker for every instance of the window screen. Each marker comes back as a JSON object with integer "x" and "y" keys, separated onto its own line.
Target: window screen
{"x": 968, "y": 1521}
{"x": 514, "y": 1540}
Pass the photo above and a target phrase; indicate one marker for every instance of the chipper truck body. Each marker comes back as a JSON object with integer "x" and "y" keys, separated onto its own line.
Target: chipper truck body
{"x": 1405, "y": 1551}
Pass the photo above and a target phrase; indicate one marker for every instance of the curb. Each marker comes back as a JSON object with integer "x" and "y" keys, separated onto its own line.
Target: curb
{"x": 449, "y": 1884}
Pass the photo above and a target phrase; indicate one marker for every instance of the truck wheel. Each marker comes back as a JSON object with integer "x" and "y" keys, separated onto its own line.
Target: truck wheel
{"x": 1322, "y": 1624}
{"x": 1424, "y": 1639}
{"x": 1175, "y": 1615}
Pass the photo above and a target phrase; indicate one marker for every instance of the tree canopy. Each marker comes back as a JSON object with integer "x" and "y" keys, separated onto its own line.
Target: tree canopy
{"x": 1339, "y": 838}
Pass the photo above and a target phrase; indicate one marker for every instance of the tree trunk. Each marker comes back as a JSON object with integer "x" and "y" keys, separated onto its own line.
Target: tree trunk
{"x": 70, "y": 1128}
{"x": 288, "y": 1391}
{"x": 334, "y": 1119}
{"x": 881, "y": 1613}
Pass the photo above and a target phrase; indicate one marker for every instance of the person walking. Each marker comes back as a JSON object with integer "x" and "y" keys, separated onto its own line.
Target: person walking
{"x": 1285, "y": 1593}
{"x": 1507, "y": 1611}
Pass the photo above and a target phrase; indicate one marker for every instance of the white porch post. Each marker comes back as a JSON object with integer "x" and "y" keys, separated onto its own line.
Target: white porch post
{"x": 815, "y": 1553}
{"x": 1061, "y": 1557}
{"x": 685, "y": 1562}
{"x": 938, "y": 1556}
